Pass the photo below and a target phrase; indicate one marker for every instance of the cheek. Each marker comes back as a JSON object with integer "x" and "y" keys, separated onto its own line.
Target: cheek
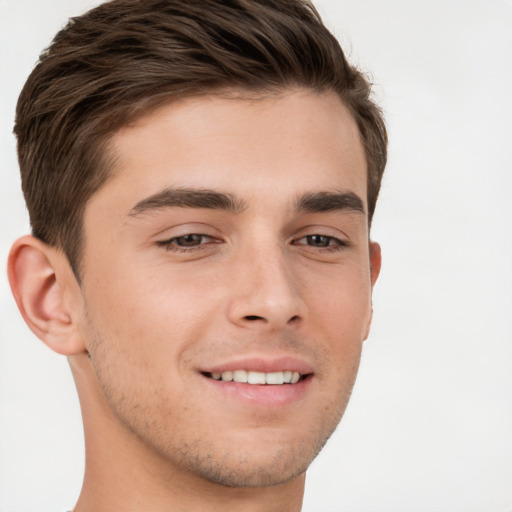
{"x": 343, "y": 306}
{"x": 138, "y": 335}
{"x": 339, "y": 316}
{"x": 149, "y": 319}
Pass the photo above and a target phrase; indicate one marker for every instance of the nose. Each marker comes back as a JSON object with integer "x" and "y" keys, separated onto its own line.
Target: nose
{"x": 266, "y": 291}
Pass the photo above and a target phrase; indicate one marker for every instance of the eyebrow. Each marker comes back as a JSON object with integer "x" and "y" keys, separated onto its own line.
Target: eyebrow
{"x": 188, "y": 198}
{"x": 317, "y": 202}
{"x": 310, "y": 202}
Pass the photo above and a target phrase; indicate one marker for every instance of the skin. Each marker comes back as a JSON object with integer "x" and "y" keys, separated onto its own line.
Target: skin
{"x": 264, "y": 283}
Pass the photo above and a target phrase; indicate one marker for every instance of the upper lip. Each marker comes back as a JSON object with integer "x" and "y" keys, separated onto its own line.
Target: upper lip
{"x": 261, "y": 364}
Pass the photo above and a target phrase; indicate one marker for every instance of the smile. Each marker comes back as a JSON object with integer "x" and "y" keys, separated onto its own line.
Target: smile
{"x": 259, "y": 378}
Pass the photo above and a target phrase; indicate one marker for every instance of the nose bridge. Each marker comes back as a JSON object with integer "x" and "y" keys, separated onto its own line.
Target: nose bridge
{"x": 266, "y": 291}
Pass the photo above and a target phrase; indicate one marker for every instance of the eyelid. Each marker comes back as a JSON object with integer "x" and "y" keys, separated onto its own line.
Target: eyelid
{"x": 166, "y": 239}
{"x": 177, "y": 237}
{"x": 330, "y": 231}
{"x": 184, "y": 229}
{"x": 338, "y": 241}
{"x": 170, "y": 243}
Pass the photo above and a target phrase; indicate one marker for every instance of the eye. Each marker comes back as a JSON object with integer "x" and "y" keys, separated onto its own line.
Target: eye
{"x": 320, "y": 241}
{"x": 184, "y": 242}
{"x": 190, "y": 240}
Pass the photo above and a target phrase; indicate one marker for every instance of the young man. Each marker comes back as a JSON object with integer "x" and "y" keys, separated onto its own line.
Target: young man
{"x": 201, "y": 178}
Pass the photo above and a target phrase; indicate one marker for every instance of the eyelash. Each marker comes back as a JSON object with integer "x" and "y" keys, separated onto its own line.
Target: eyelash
{"x": 173, "y": 245}
{"x": 333, "y": 244}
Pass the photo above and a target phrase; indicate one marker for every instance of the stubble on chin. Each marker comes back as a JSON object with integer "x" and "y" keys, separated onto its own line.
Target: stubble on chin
{"x": 145, "y": 411}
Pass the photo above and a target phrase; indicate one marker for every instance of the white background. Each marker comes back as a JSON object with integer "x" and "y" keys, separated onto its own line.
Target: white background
{"x": 429, "y": 427}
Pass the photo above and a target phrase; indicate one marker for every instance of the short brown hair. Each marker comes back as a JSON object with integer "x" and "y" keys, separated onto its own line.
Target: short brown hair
{"x": 124, "y": 57}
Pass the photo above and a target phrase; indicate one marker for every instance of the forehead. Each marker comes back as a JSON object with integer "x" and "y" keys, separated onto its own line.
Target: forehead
{"x": 292, "y": 142}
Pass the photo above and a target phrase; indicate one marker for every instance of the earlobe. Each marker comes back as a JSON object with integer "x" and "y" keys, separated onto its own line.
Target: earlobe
{"x": 42, "y": 289}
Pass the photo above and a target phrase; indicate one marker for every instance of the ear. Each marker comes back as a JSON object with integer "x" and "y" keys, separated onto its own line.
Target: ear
{"x": 47, "y": 294}
{"x": 375, "y": 263}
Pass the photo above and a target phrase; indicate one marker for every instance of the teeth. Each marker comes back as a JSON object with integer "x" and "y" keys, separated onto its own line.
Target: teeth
{"x": 256, "y": 378}
{"x": 227, "y": 376}
{"x": 275, "y": 378}
{"x": 240, "y": 376}
{"x": 250, "y": 377}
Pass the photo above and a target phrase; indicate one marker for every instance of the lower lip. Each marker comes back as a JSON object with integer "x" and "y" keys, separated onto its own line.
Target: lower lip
{"x": 262, "y": 395}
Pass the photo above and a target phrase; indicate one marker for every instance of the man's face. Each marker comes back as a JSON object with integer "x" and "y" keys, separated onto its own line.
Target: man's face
{"x": 231, "y": 242}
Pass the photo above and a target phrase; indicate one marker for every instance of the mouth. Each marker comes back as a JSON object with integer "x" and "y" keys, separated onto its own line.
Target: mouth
{"x": 257, "y": 381}
{"x": 285, "y": 377}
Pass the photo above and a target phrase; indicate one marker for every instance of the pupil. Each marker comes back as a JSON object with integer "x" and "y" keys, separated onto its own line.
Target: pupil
{"x": 189, "y": 240}
{"x": 318, "y": 240}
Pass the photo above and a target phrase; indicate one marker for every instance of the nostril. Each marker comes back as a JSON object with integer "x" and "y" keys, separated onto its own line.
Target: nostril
{"x": 254, "y": 317}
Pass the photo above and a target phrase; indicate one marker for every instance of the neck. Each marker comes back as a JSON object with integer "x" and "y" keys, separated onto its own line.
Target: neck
{"x": 122, "y": 473}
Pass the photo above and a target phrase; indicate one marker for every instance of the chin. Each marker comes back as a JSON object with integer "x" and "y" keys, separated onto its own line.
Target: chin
{"x": 242, "y": 472}
{"x": 270, "y": 462}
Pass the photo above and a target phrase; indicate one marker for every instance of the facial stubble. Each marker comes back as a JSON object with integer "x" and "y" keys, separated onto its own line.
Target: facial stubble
{"x": 147, "y": 422}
